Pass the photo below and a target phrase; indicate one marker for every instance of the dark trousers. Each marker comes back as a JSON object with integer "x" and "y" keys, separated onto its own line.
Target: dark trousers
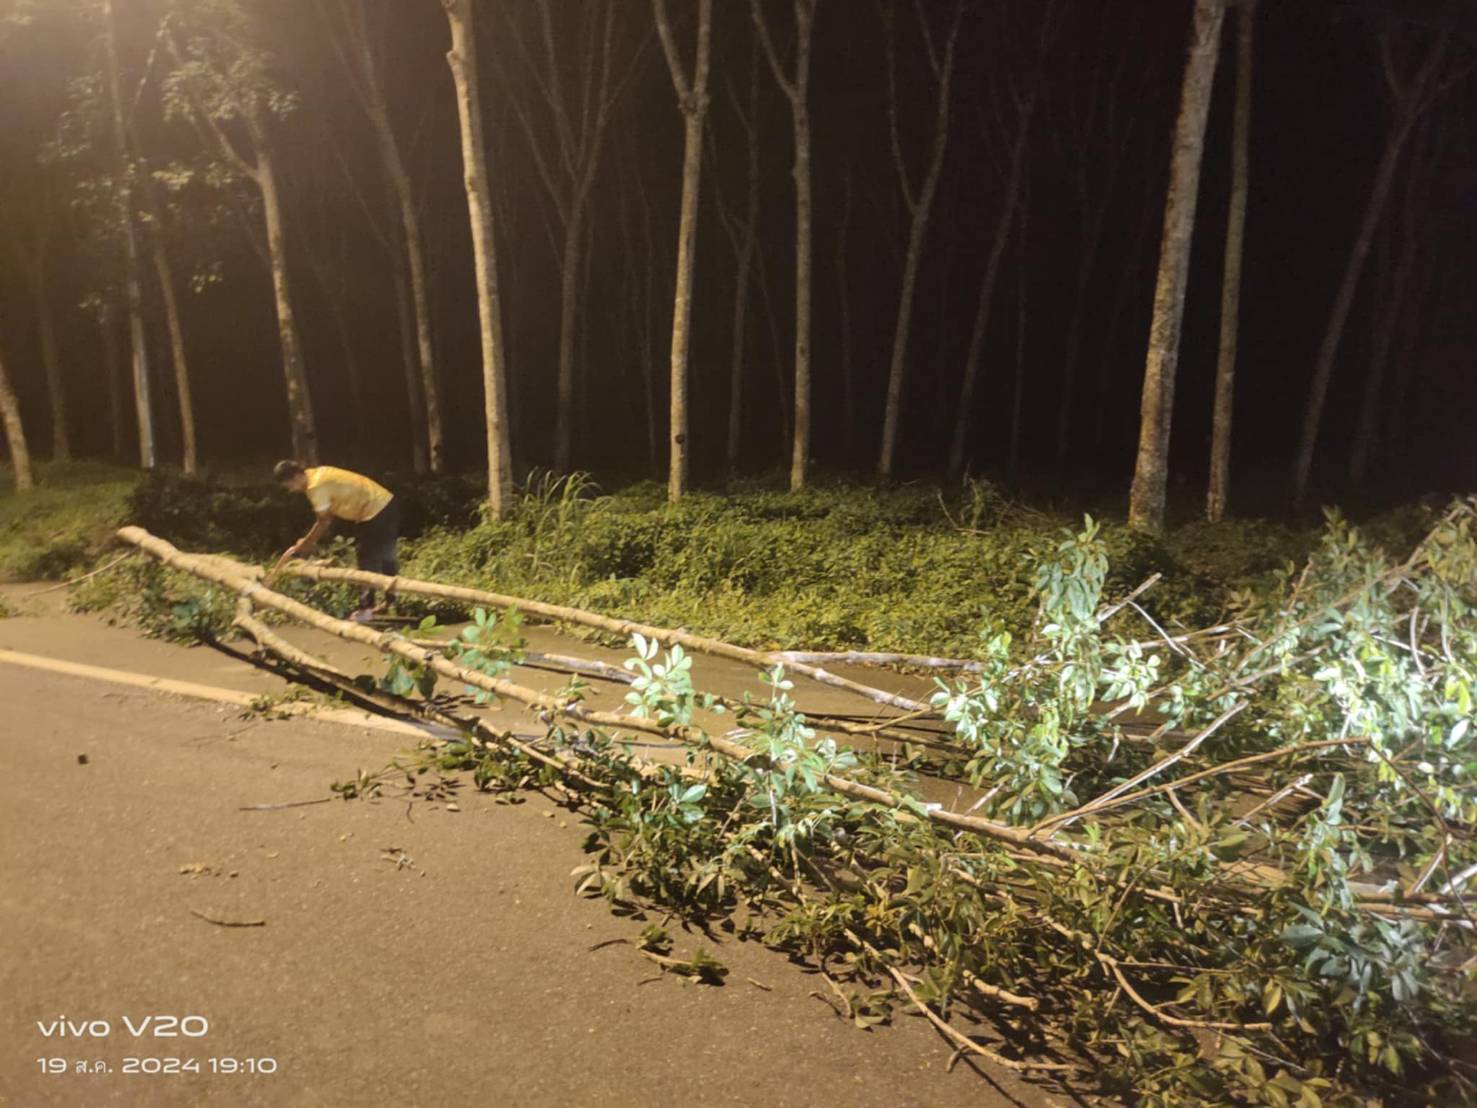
{"x": 374, "y": 545}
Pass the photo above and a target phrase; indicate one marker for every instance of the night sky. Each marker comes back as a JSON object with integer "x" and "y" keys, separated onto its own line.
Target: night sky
{"x": 1109, "y": 90}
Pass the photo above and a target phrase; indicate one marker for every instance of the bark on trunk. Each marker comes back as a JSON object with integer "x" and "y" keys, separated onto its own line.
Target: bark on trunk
{"x": 740, "y": 322}
{"x": 15, "y": 432}
{"x": 426, "y": 399}
{"x": 299, "y": 398}
{"x": 843, "y": 296}
{"x": 462, "y": 59}
{"x": 796, "y": 88}
{"x": 800, "y": 455}
{"x": 114, "y": 374}
{"x": 692, "y": 96}
{"x": 569, "y": 281}
{"x": 1408, "y": 103}
{"x": 190, "y": 458}
{"x": 133, "y": 280}
{"x": 1225, "y": 370}
{"x": 1146, "y": 501}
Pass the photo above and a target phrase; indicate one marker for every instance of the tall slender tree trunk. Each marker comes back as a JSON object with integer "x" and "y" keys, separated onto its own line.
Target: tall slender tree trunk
{"x": 742, "y": 279}
{"x": 843, "y": 296}
{"x": 299, "y": 398}
{"x": 692, "y": 97}
{"x": 800, "y": 454}
{"x": 410, "y": 363}
{"x": 1086, "y": 262}
{"x": 1397, "y": 427}
{"x": 920, "y": 208}
{"x": 113, "y": 371}
{"x": 426, "y": 399}
{"x": 133, "y": 279}
{"x": 975, "y": 352}
{"x": 569, "y": 282}
{"x": 1225, "y": 370}
{"x": 782, "y": 397}
{"x": 1395, "y": 305}
{"x": 1150, "y": 476}
{"x": 1022, "y": 280}
{"x": 1139, "y": 252}
{"x": 426, "y": 408}
{"x": 1408, "y": 104}
{"x": 796, "y": 87}
{"x": 61, "y": 447}
{"x": 163, "y": 272}
{"x": 892, "y": 414}
{"x": 1385, "y": 322}
{"x": 462, "y": 58}
{"x": 15, "y": 432}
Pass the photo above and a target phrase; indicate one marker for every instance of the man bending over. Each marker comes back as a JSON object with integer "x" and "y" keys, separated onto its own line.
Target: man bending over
{"x": 370, "y": 510}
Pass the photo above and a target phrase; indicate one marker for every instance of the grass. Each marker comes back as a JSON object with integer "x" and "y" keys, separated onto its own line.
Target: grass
{"x": 63, "y": 522}
{"x": 839, "y": 566}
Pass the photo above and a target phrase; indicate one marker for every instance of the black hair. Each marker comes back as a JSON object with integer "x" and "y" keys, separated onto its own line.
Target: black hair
{"x": 287, "y": 470}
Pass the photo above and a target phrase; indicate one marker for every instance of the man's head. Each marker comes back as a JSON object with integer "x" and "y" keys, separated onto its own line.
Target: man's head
{"x": 291, "y": 476}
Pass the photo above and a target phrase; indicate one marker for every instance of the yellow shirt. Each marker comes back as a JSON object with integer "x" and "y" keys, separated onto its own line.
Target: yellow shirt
{"x": 344, "y": 494}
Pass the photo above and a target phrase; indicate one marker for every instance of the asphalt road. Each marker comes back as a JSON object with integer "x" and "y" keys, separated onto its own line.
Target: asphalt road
{"x": 407, "y": 955}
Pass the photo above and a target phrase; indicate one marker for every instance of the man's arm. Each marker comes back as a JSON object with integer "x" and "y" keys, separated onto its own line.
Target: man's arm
{"x": 305, "y": 545}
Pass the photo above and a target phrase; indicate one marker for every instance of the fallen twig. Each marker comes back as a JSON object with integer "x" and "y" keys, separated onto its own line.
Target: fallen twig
{"x": 229, "y": 922}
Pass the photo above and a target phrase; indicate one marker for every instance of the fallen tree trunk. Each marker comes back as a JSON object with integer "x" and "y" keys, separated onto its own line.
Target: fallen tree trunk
{"x": 624, "y": 627}
{"x": 1241, "y": 887}
{"x": 243, "y": 583}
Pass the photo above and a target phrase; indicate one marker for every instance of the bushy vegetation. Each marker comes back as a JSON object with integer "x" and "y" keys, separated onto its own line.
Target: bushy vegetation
{"x": 64, "y": 522}
{"x": 833, "y": 567}
{"x": 1254, "y": 896}
{"x": 838, "y": 566}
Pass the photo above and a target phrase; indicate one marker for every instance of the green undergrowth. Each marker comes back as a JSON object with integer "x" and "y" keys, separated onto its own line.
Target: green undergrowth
{"x": 836, "y": 567}
{"x": 64, "y": 522}
{"x": 839, "y": 566}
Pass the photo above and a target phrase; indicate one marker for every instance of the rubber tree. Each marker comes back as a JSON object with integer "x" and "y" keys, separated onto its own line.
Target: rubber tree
{"x": 917, "y": 197}
{"x": 795, "y": 84}
{"x": 1225, "y": 369}
{"x": 691, "y": 85}
{"x": 35, "y": 258}
{"x": 133, "y": 279}
{"x": 1410, "y": 94}
{"x": 223, "y": 82}
{"x": 351, "y": 38}
{"x": 1150, "y": 475}
{"x": 566, "y": 155}
{"x": 462, "y": 58}
{"x": 15, "y": 431}
{"x": 154, "y": 217}
{"x": 113, "y": 373}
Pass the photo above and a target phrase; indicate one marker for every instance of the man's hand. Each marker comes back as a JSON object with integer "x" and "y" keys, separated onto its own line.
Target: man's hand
{"x": 291, "y": 552}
